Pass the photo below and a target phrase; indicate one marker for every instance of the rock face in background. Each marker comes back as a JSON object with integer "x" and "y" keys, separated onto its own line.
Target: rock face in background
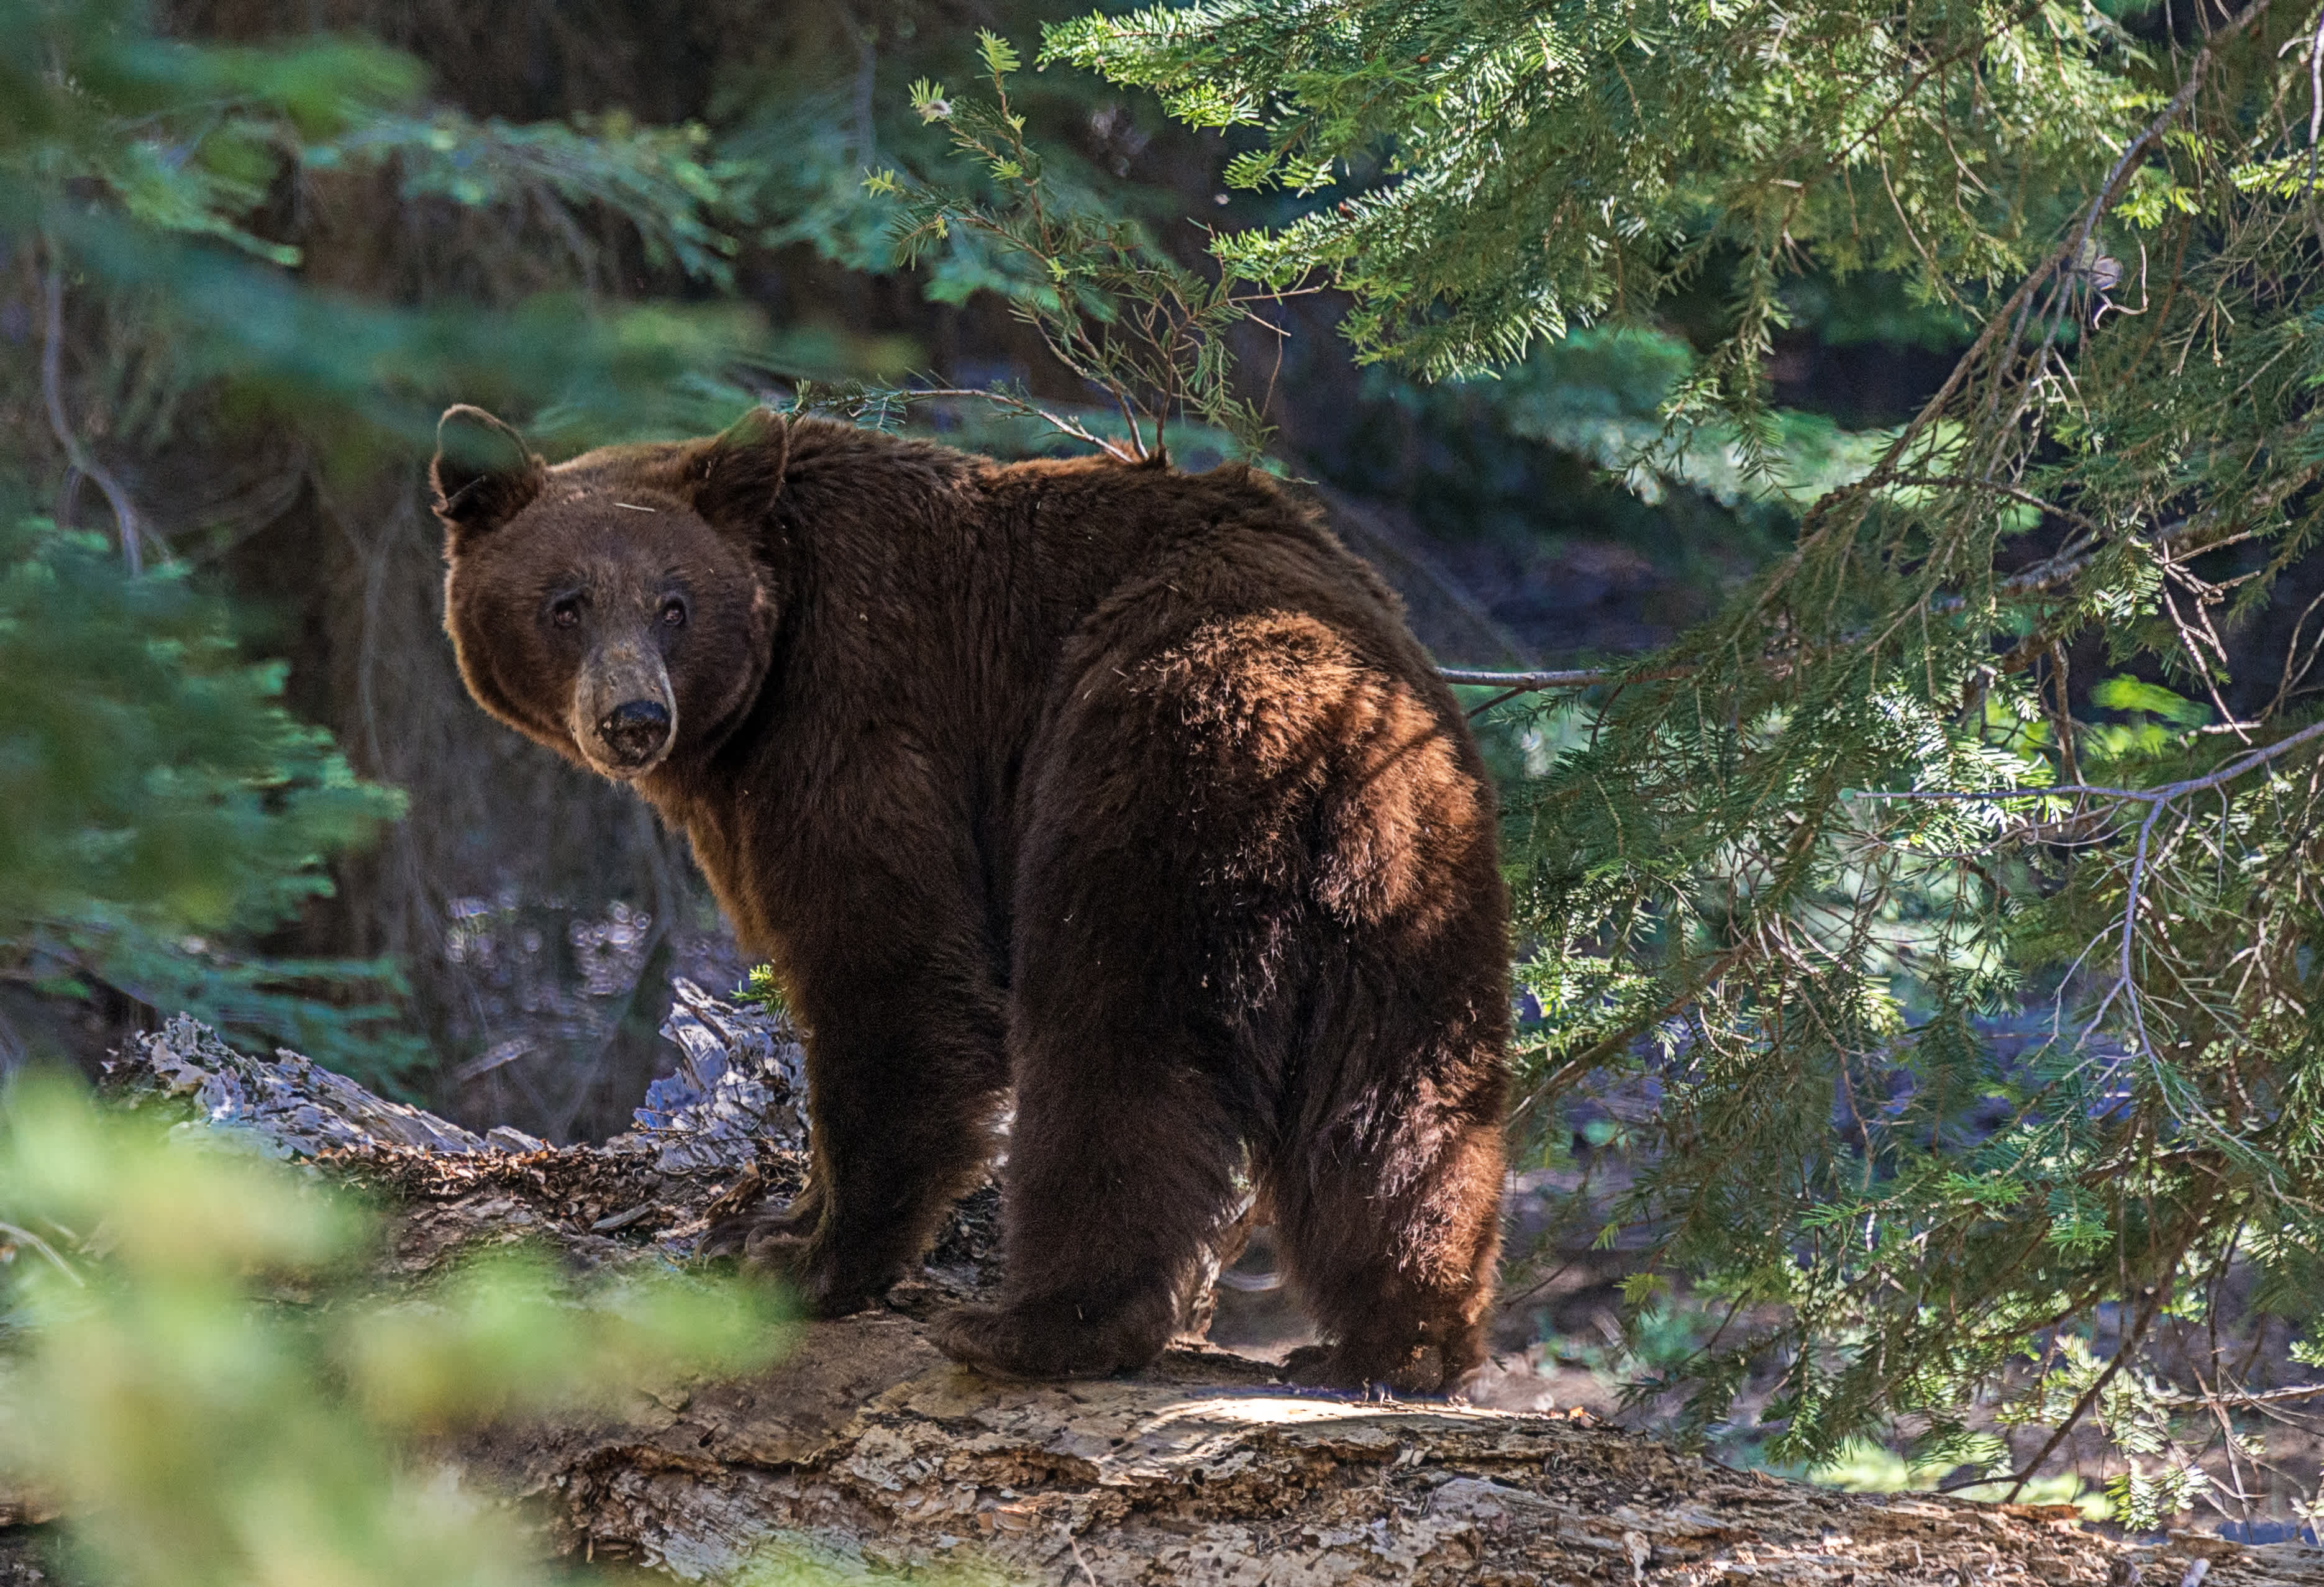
{"x": 866, "y": 1447}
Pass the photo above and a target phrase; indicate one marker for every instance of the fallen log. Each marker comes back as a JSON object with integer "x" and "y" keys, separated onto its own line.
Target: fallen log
{"x": 865, "y": 1449}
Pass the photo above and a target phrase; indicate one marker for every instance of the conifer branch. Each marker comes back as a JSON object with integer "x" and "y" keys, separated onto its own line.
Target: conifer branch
{"x": 2155, "y": 797}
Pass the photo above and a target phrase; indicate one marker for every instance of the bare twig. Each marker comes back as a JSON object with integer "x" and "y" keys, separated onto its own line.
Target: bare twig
{"x": 2242, "y": 1399}
{"x": 1134, "y": 453}
{"x": 1526, "y": 682}
{"x": 2044, "y": 575}
{"x": 2315, "y": 97}
{"x": 125, "y": 510}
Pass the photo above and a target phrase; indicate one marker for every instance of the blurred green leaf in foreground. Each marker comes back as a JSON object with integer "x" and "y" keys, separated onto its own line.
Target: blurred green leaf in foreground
{"x": 196, "y": 1376}
{"x": 162, "y": 805}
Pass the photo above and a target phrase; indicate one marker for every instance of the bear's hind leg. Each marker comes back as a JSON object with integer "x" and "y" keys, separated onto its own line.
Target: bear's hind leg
{"x": 1120, "y": 1170}
{"x": 1387, "y": 1206}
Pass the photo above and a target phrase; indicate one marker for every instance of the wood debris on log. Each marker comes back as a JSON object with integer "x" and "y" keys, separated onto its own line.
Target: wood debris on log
{"x": 725, "y": 1129}
{"x": 866, "y": 1449}
{"x": 287, "y": 1105}
{"x": 741, "y": 1083}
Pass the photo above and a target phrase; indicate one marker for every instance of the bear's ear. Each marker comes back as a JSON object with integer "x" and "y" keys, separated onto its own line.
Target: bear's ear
{"x": 483, "y": 473}
{"x": 740, "y": 473}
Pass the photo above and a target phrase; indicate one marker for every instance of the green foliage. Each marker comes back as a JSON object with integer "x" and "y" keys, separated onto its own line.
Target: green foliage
{"x": 1506, "y": 171}
{"x": 165, "y": 808}
{"x": 1144, "y": 330}
{"x": 665, "y": 181}
{"x": 1973, "y": 1017}
{"x": 181, "y": 138}
{"x": 217, "y": 1398}
{"x": 761, "y": 991}
{"x": 1605, "y": 396}
{"x": 182, "y": 144}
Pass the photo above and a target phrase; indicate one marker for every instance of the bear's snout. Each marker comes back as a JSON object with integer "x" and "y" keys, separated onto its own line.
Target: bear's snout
{"x": 636, "y": 730}
{"x": 625, "y": 714}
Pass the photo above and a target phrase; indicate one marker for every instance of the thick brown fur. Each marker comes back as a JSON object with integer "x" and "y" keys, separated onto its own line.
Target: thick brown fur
{"x": 1124, "y": 787}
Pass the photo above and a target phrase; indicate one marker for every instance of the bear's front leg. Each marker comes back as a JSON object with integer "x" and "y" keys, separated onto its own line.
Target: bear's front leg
{"x": 1120, "y": 1178}
{"x": 905, "y": 1073}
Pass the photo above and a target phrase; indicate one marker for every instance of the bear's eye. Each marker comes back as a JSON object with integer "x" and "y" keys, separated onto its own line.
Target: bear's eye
{"x": 673, "y": 613}
{"x": 567, "y": 612}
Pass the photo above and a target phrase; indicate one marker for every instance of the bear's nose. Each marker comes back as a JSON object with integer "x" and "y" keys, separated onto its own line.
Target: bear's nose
{"x": 635, "y": 729}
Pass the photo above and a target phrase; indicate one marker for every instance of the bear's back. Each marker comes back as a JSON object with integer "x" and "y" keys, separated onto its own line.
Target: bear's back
{"x": 1111, "y": 538}
{"x": 938, "y": 576}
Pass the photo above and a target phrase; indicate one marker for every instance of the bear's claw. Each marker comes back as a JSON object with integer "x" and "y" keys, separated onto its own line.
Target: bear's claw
{"x": 1420, "y": 1372}
{"x": 770, "y": 1248}
{"x": 1005, "y": 1341}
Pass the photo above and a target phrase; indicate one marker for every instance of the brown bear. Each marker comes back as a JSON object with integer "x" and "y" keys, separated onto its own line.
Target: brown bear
{"x": 1122, "y": 788}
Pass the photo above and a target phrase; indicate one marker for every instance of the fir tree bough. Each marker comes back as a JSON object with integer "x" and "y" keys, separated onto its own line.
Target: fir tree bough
{"x": 166, "y": 812}
{"x": 1145, "y": 331}
{"x": 1978, "y": 997}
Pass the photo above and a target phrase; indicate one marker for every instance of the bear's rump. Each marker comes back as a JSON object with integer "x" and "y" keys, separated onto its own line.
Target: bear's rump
{"x": 1254, "y": 834}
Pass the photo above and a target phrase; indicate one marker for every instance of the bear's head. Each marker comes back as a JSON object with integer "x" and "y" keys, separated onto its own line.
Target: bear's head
{"x": 619, "y": 608}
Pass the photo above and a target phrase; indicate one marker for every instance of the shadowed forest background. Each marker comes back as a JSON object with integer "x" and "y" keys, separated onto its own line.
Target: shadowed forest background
{"x": 1896, "y": 430}
{"x": 701, "y": 171}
